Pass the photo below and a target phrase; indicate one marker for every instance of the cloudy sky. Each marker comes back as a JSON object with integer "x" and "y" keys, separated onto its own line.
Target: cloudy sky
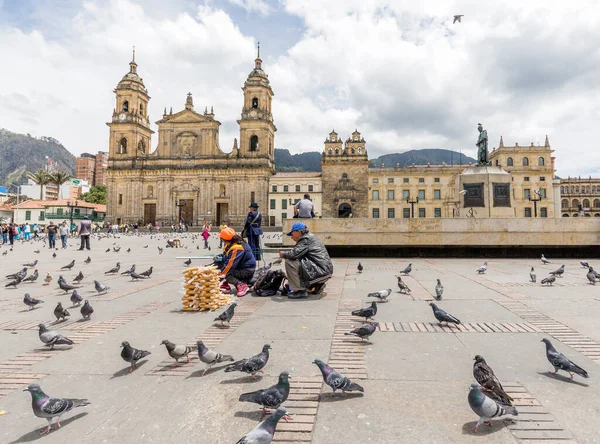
{"x": 399, "y": 71}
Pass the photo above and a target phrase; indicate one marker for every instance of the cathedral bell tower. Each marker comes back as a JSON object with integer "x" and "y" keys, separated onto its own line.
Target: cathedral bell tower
{"x": 257, "y": 130}
{"x": 130, "y": 131}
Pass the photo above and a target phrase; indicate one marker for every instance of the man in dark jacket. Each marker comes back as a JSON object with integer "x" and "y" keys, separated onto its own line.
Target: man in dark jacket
{"x": 253, "y": 230}
{"x": 307, "y": 264}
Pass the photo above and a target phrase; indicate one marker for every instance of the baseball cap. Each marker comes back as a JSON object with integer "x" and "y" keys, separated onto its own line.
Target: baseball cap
{"x": 297, "y": 227}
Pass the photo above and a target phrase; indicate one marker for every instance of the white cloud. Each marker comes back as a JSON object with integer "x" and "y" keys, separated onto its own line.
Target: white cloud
{"x": 257, "y": 6}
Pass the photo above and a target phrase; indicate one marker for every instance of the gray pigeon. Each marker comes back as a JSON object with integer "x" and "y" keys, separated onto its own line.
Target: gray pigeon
{"x": 336, "y": 380}
{"x": 443, "y": 316}
{"x": 227, "y": 314}
{"x": 483, "y": 268}
{"x": 60, "y": 312}
{"x": 63, "y": 285}
{"x": 253, "y": 365}
{"x": 366, "y": 313}
{"x": 31, "y": 302}
{"x": 544, "y": 260}
{"x": 549, "y": 280}
{"x": 100, "y": 288}
{"x": 360, "y": 267}
{"x": 382, "y": 295}
{"x": 177, "y": 351}
{"x": 486, "y": 408}
{"x": 271, "y": 397}
{"x": 591, "y": 275}
{"x": 584, "y": 264}
{"x": 18, "y": 275}
{"x": 407, "y": 270}
{"x": 131, "y": 270}
{"x": 147, "y": 273}
{"x": 402, "y": 286}
{"x": 210, "y": 357}
{"x": 132, "y": 355}
{"x": 50, "y": 408}
{"x": 32, "y": 264}
{"x": 135, "y": 276}
{"x": 364, "y": 331}
{"x": 88, "y": 260}
{"x": 78, "y": 278}
{"x": 532, "y": 275}
{"x": 86, "y": 310}
{"x": 559, "y": 272}
{"x": 187, "y": 263}
{"x": 14, "y": 283}
{"x": 52, "y": 338}
{"x": 439, "y": 290}
{"x": 76, "y": 298}
{"x": 264, "y": 431}
{"x": 33, "y": 277}
{"x": 114, "y": 270}
{"x": 561, "y": 362}
{"x": 68, "y": 266}
{"x": 458, "y": 18}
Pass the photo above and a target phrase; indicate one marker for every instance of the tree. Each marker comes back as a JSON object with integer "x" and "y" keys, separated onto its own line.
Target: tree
{"x": 96, "y": 195}
{"x": 59, "y": 178}
{"x": 41, "y": 178}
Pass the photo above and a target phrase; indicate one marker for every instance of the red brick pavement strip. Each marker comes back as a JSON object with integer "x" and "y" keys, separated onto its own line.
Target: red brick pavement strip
{"x": 10, "y": 382}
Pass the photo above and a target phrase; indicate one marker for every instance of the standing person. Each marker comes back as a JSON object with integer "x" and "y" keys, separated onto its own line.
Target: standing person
{"x": 12, "y": 233}
{"x": 304, "y": 208}
{"x": 4, "y": 229}
{"x": 253, "y": 229}
{"x": 63, "y": 232}
{"x": 27, "y": 232}
{"x": 221, "y": 228}
{"x": 36, "y": 228}
{"x": 85, "y": 229}
{"x": 238, "y": 264}
{"x": 136, "y": 228}
{"x": 51, "y": 231}
{"x": 206, "y": 232}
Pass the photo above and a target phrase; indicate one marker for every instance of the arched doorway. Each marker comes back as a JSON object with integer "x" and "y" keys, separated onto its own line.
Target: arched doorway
{"x": 344, "y": 210}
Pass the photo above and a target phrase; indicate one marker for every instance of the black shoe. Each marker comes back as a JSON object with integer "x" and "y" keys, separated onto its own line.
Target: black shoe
{"x": 300, "y": 294}
{"x": 81, "y": 249}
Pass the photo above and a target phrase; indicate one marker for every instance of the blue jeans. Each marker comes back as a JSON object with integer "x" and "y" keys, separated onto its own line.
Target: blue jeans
{"x": 63, "y": 238}
{"x": 52, "y": 240}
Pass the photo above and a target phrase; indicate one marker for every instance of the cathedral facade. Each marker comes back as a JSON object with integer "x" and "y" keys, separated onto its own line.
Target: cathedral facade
{"x": 187, "y": 176}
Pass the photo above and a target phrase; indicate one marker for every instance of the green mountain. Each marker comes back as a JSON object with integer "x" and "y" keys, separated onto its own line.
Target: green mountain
{"x": 20, "y": 153}
{"x": 286, "y": 162}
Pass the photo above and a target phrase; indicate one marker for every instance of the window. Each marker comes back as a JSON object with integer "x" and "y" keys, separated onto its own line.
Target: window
{"x": 564, "y": 203}
{"x": 297, "y": 187}
{"x": 421, "y": 194}
{"x": 254, "y": 143}
{"x": 126, "y": 106}
{"x": 375, "y": 213}
{"x": 437, "y": 212}
{"x": 421, "y": 212}
{"x": 436, "y": 179}
{"x": 525, "y": 162}
{"x": 586, "y": 203}
{"x": 437, "y": 194}
{"x": 526, "y": 193}
{"x": 284, "y": 215}
{"x": 296, "y": 201}
{"x": 310, "y": 188}
{"x": 123, "y": 146}
{"x": 406, "y": 194}
{"x": 526, "y": 179}
{"x": 391, "y": 213}
{"x": 596, "y": 203}
{"x": 120, "y": 199}
{"x": 252, "y": 196}
{"x": 390, "y": 180}
{"x": 542, "y": 178}
{"x": 527, "y": 212}
{"x": 390, "y": 194}
{"x": 272, "y": 204}
{"x": 59, "y": 211}
{"x": 577, "y": 189}
{"x": 28, "y": 215}
{"x": 274, "y": 188}
{"x": 509, "y": 162}
{"x": 141, "y": 109}
{"x": 375, "y": 181}
{"x": 42, "y": 216}
{"x": 77, "y": 211}
{"x": 254, "y": 103}
{"x": 540, "y": 161}
{"x": 405, "y": 180}
{"x": 284, "y": 203}
{"x": 575, "y": 203}
{"x": 375, "y": 194}
{"x": 406, "y": 213}
{"x": 421, "y": 180}
{"x": 543, "y": 212}
{"x": 285, "y": 188}
{"x": 543, "y": 192}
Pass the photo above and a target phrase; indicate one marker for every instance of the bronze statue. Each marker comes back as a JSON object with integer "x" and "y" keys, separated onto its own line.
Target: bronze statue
{"x": 482, "y": 148}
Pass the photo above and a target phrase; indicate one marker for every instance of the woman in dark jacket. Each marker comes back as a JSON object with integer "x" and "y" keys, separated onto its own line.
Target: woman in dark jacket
{"x": 238, "y": 263}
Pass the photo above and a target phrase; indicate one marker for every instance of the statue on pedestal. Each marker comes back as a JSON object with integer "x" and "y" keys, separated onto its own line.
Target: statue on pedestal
{"x": 482, "y": 146}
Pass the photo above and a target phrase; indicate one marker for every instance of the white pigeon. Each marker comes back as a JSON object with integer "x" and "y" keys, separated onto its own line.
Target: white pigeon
{"x": 532, "y": 275}
{"x": 382, "y": 295}
{"x": 439, "y": 289}
{"x": 482, "y": 269}
{"x": 544, "y": 260}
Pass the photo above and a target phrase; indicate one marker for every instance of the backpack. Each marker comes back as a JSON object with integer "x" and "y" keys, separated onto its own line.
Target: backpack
{"x": 270, "y": 283}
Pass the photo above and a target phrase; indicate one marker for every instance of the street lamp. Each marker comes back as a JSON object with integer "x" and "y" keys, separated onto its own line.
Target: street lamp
{"x": 71, "y": 206}
{"x": 535, "y": 200}
{"x": 180, "y": 204}
{"x": 412, "y": 202}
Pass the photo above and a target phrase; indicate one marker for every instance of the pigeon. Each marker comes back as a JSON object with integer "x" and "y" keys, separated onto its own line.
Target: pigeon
{"x": 147, "y": 273}
{"x": 135, "y": 276}
{"x": 559, "y": 272}
{"x": 129, "y": 271}
{"x": 114, "y": 270}
{"x": 485, "y": 376}
{"x": 47, "y": 279}
{"x": 52, "y": 338}
{"x": 68, "y": 266}
{"x": 32, "y": 264}
{"x": 458, "y": 18}
{"x": 544, "y": 260}
{"x": 482, "y": 269}
{"x": 584, "y": 264}
{"x": 49, "y": 408}
{"x": 264, "y": 431}
{"x": 76, "y": 298}
{"x": 14, "y": 283}
{"x": 100, "y": 288}
{"x": 252, "y": 365}
{"x": 19, "y": 274}
{"x": 407, "y": 270}
{"x": 32, "y": 278}
{"x": 532, "y": 275}
{"x": 129, "y": 250}
{"x": 549, "y": 280}
{"x": 271, "y": 397}
{"x": 86, "y": 310}
{"x": 364, "y": 331}
{"x": 60, "y": 312}
{"x": 486, "y": 408}
{"x": 227, "y": 314}
{"x": 78, "y": 278}
{"x": 336, "y": 380}
{"x": 210, "y": 357}
{"x": 54, "y": 255}
{"x": 591, "y": 275}
{"x": 145, "y": 246}
{"x": 402, "y": 286}
{"x": 359, "y": 267}
{"x": 366, "y": 313}
{"x": 107, "y": 250}
{"x": 160, "y": 250}
{"x": 439, "y": 290}
{"x": 64, "y": 286}
{"x": 443, "y": 316}
{"x": 132, "y": 355}
{"x": 88, "y": 260}
{"x": 36, "y": 251}
{"x": 187, "y": 263}
{"x": 382, "y": 295}
{"x": 31, "y": 302}
{"x": 560, "y": 361}
{"x": 116, "y": 249}
{"x": 177, "y": 351}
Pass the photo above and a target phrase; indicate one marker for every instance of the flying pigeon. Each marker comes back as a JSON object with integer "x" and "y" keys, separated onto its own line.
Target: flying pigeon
{"x": 485, "y": 376}
{"x": 76, "y": 298}
{"x": 584, "y": 264}
{"x": 382, "y": 295}
{"x": 147, "y": 273}
{"x": 402, "y": 286}
{"x": 88, "y": 260}
{"x": 407, "y": 270}
{"x": 264, "y": 431}
{"x": 114, "y": 270}
{"x": 52, "y": 338}
{"x": 271, "y": 397}
{"x": 367, "y": 312}
{"x": 439, "y": 290}
{"x": 131, "y": 270}
{"x": 549, "y": 280}
{"x": 31, "y": 302}
{"x": 64, "y": 286}
{"x": 86, "y": 310}
{"x": 252, "y": 365}
{"x": 458, "y": 18}
{"x": 32, "y": 264}
{"x": 544, "y": 260}
{"x": 187, "y": 263}
{"x": 32, "y": 278}
{"x": 60, "y": 312}
{"x": 483, "y": 268}
{"x": 359, "y": 267}
{"x": 47, "y": 279}
{"x": 486, "y": 408}
{"x": 559, "y": 272}
{"x": 78, "y": 278}
{"x": 336, "y": 380}
{"x": 210, "y": 357}
{"x": 50, "y": 408}
{"x": 177, "y": 351}
{"x": 532, "y": 275}
{"x": 68, "y": 266}
{"x": 132, "y": 355}
{"x": 364, "y": 331}
{"x": 227, "y": 314}
{"x": 443, "y": 316}
{"x": 560, "y": 361}
{"x": 100, "y": 288}
{"x": 591, "y": 275}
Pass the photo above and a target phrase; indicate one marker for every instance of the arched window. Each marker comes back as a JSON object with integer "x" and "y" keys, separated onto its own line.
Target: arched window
{"x": 509, "y": 162}
{"x": 123, "y": 146}
{"x": 575, "y": 203}
{"x": 572, "y": 189}
{"x": 150, "y": 193}
{"x": 222, "y": 190}
{"x": 564, "y": 203}
{"x": 330, "y": 151}
{"x": 586, "y": 203}
{"x": 540, "y": 161}
{"x": 588, "y": 215}
{"x": 577, "y": 189}
{"x": 141, "y": 109}
{"x": 525, "y": 162}
{"x": 576, "y": 215}
{"x": 359, "y": 150}
{"x": 344, "y": 210}
{"x": 597, "y": 215}
{"x": 254, "y": 143}
{"x": 565, "y": 215}
{"x": 596, "y": 203}
{"x": 497, "y": 163}
{"x": 587, "y": 189}
{"x": 141, "y": 147}
{"x": 352, "y": 150}
{"x": 337, "y": 151}
{"x": 126, "y": 106}
{"x": 255, "y": 103}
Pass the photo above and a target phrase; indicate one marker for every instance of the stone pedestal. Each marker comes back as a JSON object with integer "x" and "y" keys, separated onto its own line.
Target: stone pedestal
{"x": 486, "y": 192}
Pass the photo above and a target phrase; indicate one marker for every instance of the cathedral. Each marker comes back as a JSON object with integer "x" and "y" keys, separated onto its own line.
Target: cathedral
{"x": 187, "y": 176}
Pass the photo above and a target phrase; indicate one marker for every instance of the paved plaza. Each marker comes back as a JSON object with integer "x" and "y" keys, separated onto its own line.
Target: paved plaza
{"x": 416, "y": 374}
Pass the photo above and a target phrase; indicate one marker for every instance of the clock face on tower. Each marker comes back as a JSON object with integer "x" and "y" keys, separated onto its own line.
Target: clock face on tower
{"x": 122, "y": 117}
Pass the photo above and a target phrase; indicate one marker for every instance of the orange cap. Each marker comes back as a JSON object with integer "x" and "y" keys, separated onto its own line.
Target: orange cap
{"x": 227, "y": 233}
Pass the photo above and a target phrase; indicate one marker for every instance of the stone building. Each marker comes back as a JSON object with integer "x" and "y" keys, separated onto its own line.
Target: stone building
{"x": 188, "y": 176}
{"x": 580, "y": 197}
{"x": 285, "y": 189}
